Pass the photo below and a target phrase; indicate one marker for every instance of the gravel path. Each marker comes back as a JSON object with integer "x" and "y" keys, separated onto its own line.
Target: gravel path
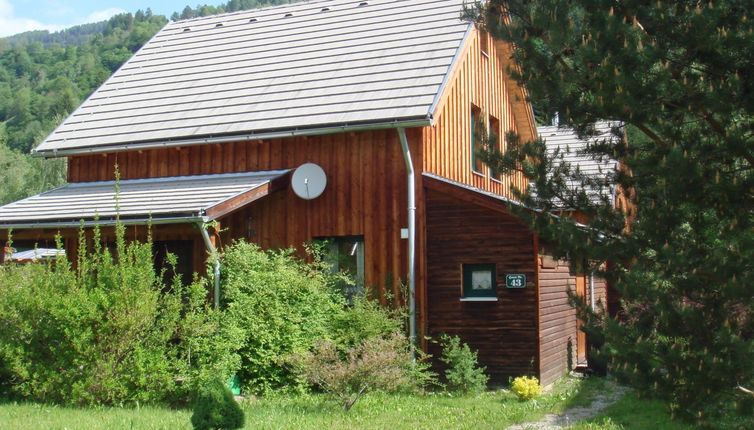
{"x": 569, "y": 417}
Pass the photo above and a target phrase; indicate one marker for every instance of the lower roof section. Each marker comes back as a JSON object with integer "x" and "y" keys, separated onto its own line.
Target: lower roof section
{"x": 140, "y": 201}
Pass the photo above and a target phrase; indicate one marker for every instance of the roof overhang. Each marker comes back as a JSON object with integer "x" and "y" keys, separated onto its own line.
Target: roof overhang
{"x": 263, "y": 135}
{"x": 481, "y": 197}
{"x": 182, "y": 199}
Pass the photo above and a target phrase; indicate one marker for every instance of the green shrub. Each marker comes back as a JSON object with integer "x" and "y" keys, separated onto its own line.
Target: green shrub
{"x": 364, "y": 319}
{"x": 216, "y": 409}
{"x": 526, "y": 388}
{"x": 280, "y": 305}
{"x": 463, "y": 374}
{"x": 378, "y": 363}
{"x": 108, "y": 331}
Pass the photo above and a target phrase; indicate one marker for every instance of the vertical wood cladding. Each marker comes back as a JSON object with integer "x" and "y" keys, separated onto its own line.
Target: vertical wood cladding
{"x": 365, "y": 194}
{"x": 557, "y": 319}
{"x": 479, "y": 80}
{"x": 504, "y": 332}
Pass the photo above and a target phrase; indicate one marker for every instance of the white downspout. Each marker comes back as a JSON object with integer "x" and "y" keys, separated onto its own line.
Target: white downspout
{"x": 591, "y": 289}
{"x": 411, "y": 236}
{"x": 213, "y": 252}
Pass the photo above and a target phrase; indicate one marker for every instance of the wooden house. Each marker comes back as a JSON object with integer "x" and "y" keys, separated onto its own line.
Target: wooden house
{"x": 207, "y": 121}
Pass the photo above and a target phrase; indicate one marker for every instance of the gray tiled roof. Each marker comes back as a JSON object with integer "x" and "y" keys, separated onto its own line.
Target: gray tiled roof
{"x": 173, "y": 199}
{"x": 305, "y": 65}
{"x": 571, "y": 150}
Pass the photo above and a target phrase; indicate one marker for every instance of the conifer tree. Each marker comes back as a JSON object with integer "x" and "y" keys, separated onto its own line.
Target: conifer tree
{"x": 679, "y": 75}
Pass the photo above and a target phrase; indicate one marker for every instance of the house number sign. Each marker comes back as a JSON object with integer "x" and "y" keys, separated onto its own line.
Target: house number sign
{"x": 515, "y": 281}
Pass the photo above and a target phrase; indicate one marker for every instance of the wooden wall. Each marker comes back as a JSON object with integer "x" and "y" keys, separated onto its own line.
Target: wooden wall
{"x": 504, "y": 332}
{"x": 557, "y": 319}
{"x": 478, "y": 80}
{"x": 365, "y": 194}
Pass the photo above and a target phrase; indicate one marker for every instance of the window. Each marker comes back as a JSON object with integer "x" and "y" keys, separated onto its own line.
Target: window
{"x": 476, "y": 128}
{"x": 184, "y": 253}
{"x": 346, "y": 254}
{"x": 479, "y": 281}
{"x": 498, "y": 142}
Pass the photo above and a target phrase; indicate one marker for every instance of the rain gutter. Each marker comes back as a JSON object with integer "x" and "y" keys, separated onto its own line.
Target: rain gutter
{"x": 411, "y": 236}
{"x": 104, "y": 223}
{"x": 202, "y": 226}
{"x": 420, "y": 122}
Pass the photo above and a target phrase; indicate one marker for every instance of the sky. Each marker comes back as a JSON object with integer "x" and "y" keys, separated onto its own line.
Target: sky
{"x": 17, "y": 16}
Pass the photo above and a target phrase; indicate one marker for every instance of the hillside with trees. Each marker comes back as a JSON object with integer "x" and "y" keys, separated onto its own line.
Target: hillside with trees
{"x": 44, "y": 76}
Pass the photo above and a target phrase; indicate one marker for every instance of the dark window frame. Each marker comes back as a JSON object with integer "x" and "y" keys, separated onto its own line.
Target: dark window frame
{"x": 467, "y": 271}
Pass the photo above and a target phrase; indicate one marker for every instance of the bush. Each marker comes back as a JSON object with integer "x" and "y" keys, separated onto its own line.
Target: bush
{"x": 463, "y": 375}
{"x": 377, "y": 364}
{"x": 216, "y": 409}
{"x": 280, "y": 305}
{"x": 107, "y": 332}
{"x": 526, "y": 388}
{"x": 365, "y": 319}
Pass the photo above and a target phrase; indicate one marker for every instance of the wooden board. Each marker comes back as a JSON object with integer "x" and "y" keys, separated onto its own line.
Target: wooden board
{"x": 503, "y": 332}
{"x": 558, "y": 327}
{"x": 479, "y": 81}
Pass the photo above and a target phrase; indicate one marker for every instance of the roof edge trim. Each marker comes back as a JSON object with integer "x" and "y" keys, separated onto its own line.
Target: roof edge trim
{"x": 449, "y": 73}
{"x": 105, "y": 223}
{"x": 53, "y": 153}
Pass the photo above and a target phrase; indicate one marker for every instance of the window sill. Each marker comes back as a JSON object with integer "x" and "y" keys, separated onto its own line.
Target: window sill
{"x": 493, "y": 179}
{"x": 481, "y": 175}
{"x": 478, "y": 299}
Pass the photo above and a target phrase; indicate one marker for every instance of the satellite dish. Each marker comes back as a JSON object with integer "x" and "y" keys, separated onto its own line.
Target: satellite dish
{"x": 308, "y": 181}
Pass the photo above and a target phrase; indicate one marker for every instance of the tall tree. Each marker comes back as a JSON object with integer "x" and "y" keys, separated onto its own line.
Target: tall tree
{"x": 680, "y": 76}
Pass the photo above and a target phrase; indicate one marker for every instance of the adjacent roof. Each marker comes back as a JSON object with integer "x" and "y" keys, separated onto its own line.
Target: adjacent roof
{"x": 316, "y": 64}
{"x": 161, "y": 200}
{"x": 35, "y": 254}
{"x": 571, "y": 149}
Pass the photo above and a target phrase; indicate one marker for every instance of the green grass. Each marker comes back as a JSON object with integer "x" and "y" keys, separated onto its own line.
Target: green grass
{"x": 632, "y": 413}
{"x": 491, "y": 410}
{"x": 375, "y": 411}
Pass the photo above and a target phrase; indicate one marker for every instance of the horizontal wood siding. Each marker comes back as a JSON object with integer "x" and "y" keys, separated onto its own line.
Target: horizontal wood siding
{"x": 365, "y": 194}
{"x": 557, "y": 319}
{"x": 504, "y": 332}
{"x": 478, "y": 80}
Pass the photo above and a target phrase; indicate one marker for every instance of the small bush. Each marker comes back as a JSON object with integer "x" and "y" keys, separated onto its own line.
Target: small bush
{"x": 526, "y": 388}
{"x": 377, "y": 364}
{"x": 216, "y": 409}
{"x": 463, "y": 375}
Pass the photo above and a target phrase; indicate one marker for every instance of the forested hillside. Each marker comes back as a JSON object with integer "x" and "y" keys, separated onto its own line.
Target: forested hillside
{"x": 45, "y": 76}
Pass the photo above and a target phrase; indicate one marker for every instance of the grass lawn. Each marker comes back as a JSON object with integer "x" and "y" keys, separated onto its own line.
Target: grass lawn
{"x": 491, "y": 410}
{"x": 630, "y": 413}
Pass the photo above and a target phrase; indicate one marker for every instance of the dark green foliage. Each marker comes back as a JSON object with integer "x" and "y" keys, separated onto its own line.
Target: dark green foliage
{"x": 45, "y": 78}
{"x": 23, "y": 175}
{"x": 280, "y": 304}
{"x": 107, "y": 332}
{"x": 216, "y": 409}
{"x": 680, "y": 75}
{"x": 463, "y": 373}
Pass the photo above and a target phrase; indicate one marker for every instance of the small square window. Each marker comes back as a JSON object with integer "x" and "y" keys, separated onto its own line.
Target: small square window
{"x": 479, "y": 280}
